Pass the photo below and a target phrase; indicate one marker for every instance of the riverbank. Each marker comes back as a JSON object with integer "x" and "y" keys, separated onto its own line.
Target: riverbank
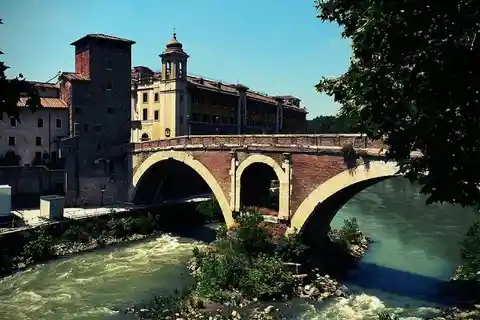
{"x": 252, "y": 272}
{"x": 25, "y": 248}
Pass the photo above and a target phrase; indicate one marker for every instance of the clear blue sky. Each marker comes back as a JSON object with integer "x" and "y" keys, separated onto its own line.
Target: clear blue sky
{"x": 274, "y": 46}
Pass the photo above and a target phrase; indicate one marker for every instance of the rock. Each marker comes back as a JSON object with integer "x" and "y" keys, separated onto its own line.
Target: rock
{"x": 338, "y": 293}
{"x": 235, "y": 314}
{"x": 268, "y": 309}
{"x": 477, "y": 306}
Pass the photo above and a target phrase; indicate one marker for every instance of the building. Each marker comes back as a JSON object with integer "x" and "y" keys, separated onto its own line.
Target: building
{"x": 34, "y": 139}
{"x": 98, "y": 95}
{"x": 171, "y": 103}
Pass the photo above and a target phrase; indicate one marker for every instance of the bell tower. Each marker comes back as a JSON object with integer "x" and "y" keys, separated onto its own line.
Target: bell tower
{"x": 174, "y": 87}
{"x": 174, "y": 61}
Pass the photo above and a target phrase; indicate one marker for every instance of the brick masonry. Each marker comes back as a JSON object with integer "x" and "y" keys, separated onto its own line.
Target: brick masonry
{"x": 310, "y": 171}
{"x": 218, "y": 163}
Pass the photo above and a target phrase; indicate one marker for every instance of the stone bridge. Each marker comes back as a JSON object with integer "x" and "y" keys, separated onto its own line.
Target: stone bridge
{"x": 314, "y": 177}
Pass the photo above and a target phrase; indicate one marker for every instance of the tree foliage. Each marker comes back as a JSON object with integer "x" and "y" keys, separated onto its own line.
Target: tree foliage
{"x": 331, "y": 124}
{"x": 12, "y": 89}
{"x": 414, "y": 79}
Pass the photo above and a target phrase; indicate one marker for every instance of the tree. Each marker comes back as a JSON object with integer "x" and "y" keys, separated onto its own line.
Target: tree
{"x": 12, "y": 89}
{"x": 414, "y": 79}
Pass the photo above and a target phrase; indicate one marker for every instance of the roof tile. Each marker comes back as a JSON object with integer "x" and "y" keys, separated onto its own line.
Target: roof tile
{"x": 53, "y": 103}
{"x": 74, "y": 76}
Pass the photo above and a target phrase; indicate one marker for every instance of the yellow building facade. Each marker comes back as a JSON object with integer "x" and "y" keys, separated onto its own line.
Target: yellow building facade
{"x": 171, "y": 103}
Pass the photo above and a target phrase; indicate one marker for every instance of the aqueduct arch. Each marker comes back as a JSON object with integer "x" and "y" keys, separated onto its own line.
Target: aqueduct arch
{"x": 280, "y": 173}
{"x": 196, "y": 165}
{"x": 356, "y": 179}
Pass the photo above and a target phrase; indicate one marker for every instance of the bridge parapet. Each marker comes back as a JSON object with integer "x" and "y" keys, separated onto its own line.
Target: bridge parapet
{"x": 280, "y": 141}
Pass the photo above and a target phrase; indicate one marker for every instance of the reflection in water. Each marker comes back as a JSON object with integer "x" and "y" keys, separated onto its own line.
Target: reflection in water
{"x": 416, "y": 247}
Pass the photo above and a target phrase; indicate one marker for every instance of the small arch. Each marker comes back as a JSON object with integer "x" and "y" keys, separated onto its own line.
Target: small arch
{"x": 196, "y": 165}
{"x": 373, "y": 170}
{"x": 281, "y": 175}
{"x": 145, "y": 137}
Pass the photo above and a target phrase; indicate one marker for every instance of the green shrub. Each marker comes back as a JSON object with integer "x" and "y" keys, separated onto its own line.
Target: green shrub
{"x": 39, "y": 246}
{"x": 349, "y": 233}
{"x": 210, "y": 210}
{"x": 470, "y": 252}
{"x": 245, "y": 261}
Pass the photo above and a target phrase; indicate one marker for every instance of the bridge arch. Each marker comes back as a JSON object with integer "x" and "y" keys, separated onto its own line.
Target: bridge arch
{"x": 282, "y": 177}
{"x": 349, "y": 181}
{"x": 194, "y": 164}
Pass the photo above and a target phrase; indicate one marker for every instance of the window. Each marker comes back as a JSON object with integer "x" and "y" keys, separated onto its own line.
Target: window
{"x": 38, "y": 141}
{"x": 38, "y": 157}
{"x": 99, "y": 146}
{"x": 167, "y": 69}
{"x": 11, "y": 141}
{"x": 109, "y": 64}
{"x": 181, "y": 98}
{"x": 97, "y": 127}
{"x": 145, "y": 97}
{"x": 58, "y": 123}
{"x": 145, "y": 137}
{"x": 13, "y": 122}
{"x": 85, "y": 127}
{"x": 156, "y": 115}
{"x": 109, "y": 84}
{"x": 109, "y": 110}
{"x": 180, "y": 68}
{"x": 156, "y": 97}
{"x": 78, "y": 110}
{"x": 181, "y": 119}
{"x": 145, "y": 114}
{"x": 40, "y": 122}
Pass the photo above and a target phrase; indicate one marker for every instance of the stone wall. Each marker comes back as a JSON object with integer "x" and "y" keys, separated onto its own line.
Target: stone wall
{"x": 32, "y": 180}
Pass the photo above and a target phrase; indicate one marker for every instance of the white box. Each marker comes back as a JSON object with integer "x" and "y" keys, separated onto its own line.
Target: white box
{"x": 5, "y": 201}
{"x": 52, "y": 207}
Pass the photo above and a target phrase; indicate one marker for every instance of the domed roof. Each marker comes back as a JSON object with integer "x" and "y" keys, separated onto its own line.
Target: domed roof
{"x": 174, "y": 43}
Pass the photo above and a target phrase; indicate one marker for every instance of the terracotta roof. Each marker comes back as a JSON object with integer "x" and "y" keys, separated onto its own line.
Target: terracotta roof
{"x": 74, "y": 76}
{"x": 102, "y": 37}
{"x": 43, "y": 84}
{"x": 54, "y": 103}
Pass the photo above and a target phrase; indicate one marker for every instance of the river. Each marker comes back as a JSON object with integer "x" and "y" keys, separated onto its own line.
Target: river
{"x": 415, "y": 249}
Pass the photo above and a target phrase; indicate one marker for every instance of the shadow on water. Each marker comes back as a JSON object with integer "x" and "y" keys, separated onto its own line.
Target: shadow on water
{"x": 399, "y": 283}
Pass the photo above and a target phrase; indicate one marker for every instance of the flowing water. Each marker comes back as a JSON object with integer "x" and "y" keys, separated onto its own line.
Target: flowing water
{"x": 416, "y": 248}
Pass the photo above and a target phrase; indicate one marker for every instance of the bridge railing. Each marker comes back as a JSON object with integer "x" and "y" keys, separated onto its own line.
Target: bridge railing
{"x": 274, "y": 140}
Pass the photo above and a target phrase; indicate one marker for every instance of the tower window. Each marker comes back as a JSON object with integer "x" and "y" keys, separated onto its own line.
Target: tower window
{"x": 109, "y": 110}
{"x": 13, "y": 122}
{"x": 38, "y": 141}
{"x": 180, "y": 68}
{"x": 145, "y": 97}
{"x": 156, "y": 115}
{"x": 11, "y": 141}
{"x": 40, "y": 123}
{"x": 58, "y": 123}
{"x": 168, "y": 65}
{"x": 156, "y": 97}
{"x": 109, "y": 64}
{"x": 145, "y": 114}
{"x": 109, "y": 84}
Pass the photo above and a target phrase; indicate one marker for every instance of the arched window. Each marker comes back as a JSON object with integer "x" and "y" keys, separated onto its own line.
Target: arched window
{"x": 180, "y": 68}
{"x": 145, "y": 137}
{"x": 168, "y": 65}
